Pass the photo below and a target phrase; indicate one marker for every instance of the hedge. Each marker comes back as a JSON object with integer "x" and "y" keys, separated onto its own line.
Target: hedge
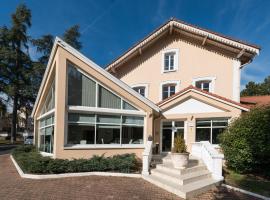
{"x": 246, "y": 142}
{"x": 31, "y": 161}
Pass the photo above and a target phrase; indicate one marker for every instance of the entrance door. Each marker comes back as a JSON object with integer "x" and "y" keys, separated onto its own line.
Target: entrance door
{"x": 170, "y": 129}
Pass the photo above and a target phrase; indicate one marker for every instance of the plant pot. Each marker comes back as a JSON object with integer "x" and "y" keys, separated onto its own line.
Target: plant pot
{"x": 180, "y": 160}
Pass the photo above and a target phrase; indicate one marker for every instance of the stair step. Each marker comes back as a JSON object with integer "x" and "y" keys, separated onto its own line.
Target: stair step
{"x": 184, "y": 178}
{"x": 168, "y": 168}
{"x": 185, "y": 191}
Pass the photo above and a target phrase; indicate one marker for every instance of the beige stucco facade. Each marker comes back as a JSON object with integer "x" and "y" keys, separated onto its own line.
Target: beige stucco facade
{"x": 194, "y": 61}
{"x": 58, "y": 71}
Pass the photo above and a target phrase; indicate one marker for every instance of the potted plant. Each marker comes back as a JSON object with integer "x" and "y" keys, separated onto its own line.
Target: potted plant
{"x": 179, "y": 153}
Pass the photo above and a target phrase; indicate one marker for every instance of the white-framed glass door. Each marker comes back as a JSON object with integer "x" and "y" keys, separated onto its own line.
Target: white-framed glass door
{"x": 169, "y": 130}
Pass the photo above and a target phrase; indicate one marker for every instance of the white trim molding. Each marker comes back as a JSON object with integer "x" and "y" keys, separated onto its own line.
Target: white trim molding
{"x": 145, "y": 85}
{"x": 236, "y": 80}
{"x": 212, "y": 80}
{"x": 176, "y": 60}
{"x": 177, "y": 87}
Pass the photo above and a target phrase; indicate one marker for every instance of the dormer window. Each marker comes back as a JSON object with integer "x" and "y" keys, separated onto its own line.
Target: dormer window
{"x": 170, "y": 60}
{"x": 140, "y": 90}
{"x": 205, "y": 83}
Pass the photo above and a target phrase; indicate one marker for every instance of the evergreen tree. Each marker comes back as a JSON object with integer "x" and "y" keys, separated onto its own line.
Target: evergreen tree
{"x": 72, "y": 35}
{"x": 15, "y": 63}
{"x": 256, "y": 89}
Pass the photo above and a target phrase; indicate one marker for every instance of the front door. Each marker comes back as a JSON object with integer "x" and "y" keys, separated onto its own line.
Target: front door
{"x": 170, "y": 129}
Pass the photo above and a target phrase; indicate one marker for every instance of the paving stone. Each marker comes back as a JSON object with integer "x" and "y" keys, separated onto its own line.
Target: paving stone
{"x": 12, "y": 187}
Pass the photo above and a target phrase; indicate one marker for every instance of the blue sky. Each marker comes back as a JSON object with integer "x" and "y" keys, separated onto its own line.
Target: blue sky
{"x": 109, "y": 27}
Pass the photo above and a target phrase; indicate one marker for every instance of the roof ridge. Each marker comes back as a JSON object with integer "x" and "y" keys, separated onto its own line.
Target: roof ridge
{"x": 173, "y": 19}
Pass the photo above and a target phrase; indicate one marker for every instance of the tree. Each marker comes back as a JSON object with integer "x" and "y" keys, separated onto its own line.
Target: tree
{"x": 15, "y": 63}
{"x": 72, "y": 35}
{"x": 3, "y": 108}
{"x": 256, "y": 89}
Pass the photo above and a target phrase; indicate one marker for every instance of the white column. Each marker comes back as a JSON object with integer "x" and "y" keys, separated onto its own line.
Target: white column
{"x": 236, "y": 80}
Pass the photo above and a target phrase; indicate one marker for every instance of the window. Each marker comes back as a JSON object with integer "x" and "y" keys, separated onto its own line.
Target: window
{"x": 108, "y": 99}
{"x": 84, "y": 91}
{"x": 168, "y": 90}
{"x": 127, "y": 106}
{"x": 205, "y": 83}
{"x": 209, "y": 130}
{"x": 170, "y": 60}
{"x": 46, "y": 132}
{"x": 50, "y": 100}
{"x": 140, "y": 90}
{"x": 81, "y": 89}
{"x": 97, "y": 130}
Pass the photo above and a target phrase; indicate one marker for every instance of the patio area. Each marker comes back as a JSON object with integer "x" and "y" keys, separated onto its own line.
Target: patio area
{"x": 92, "y": 187}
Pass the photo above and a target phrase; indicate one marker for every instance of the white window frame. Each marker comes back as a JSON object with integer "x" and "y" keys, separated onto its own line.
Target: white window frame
{"x": 211, "y": 79}
{"x": 174, "y": 129}
{"x": 176, "y": 60}
{"x": 177, "y": 85}
{"x": 104, "y": 146}
{"x": 145, "y": 85}
{"x": 211, "y": 127}
{"x": 105, "y": 111}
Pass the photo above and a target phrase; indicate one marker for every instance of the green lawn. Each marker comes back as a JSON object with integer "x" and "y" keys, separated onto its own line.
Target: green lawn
{"x": 250, "y": 183}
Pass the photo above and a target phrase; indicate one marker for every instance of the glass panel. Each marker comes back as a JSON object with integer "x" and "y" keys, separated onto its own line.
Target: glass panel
{"x": 108, "y": 134}
{"x": 179, "y": 124}
{"x": 172, "y": 90}
{"x": 132, "y": 135}
{"x": 203, "y": 123}
{"x": 108, "y": 99}
{"x": 198, "y": 84}
{"x": 171, "y": 61}
{"x": 81, "y": 134}
{"x": 166, "y": 140}
{"x": 42, "y": 122}
{"x": 49, "y": 121}
{"x": 49, "y": 101}
{"x": 127, "y": 106}
{"x": 220, "y": 122}
{"x": 179, "y": 132}
{"x": 41, "y": 139}
{"x": 81, "y": 89}
{"x": 88, "y": 92}
{"x": 49, "y": 139}
{"x": 133, "y": 120}
{"x": 166, "y": 62}
{"x": 167, "y": 124}
{"x": 215, "y": 133}
{"x": 108, "y": 119}
{"x": 203, "y": 134}
{"x": 81, "y": 118}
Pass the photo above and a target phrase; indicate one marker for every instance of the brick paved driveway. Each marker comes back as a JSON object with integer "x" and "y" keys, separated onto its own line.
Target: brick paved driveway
{"x": 12, "y": 186}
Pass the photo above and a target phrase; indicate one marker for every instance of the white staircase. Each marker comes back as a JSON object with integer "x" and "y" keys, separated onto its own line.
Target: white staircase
{"x": 188, "y": 182}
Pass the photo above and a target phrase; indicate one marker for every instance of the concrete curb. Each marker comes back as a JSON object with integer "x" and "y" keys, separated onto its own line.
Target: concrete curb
{"x": 66, "y": 175}
{"x": 246, "y": 192}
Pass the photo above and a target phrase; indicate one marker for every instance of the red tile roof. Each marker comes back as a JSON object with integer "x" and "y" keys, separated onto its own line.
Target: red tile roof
{"x": 185, "y": 23}
{"x": 205, "y": 92}
{"x": 252, "y": 101}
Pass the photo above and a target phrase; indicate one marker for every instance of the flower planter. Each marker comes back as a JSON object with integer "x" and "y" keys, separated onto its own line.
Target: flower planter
{"x": 180, "y": 160}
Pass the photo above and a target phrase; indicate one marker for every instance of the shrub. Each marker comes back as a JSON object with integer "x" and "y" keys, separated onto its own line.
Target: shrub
{"x": 246, "y": 142}
{"x": 31, "y": 161}
{"x": 179, "y": 145}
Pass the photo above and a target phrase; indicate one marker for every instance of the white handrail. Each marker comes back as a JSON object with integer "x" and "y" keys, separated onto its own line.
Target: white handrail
{"x": 210, "y": 156}
{"x": 147, "y": 156}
